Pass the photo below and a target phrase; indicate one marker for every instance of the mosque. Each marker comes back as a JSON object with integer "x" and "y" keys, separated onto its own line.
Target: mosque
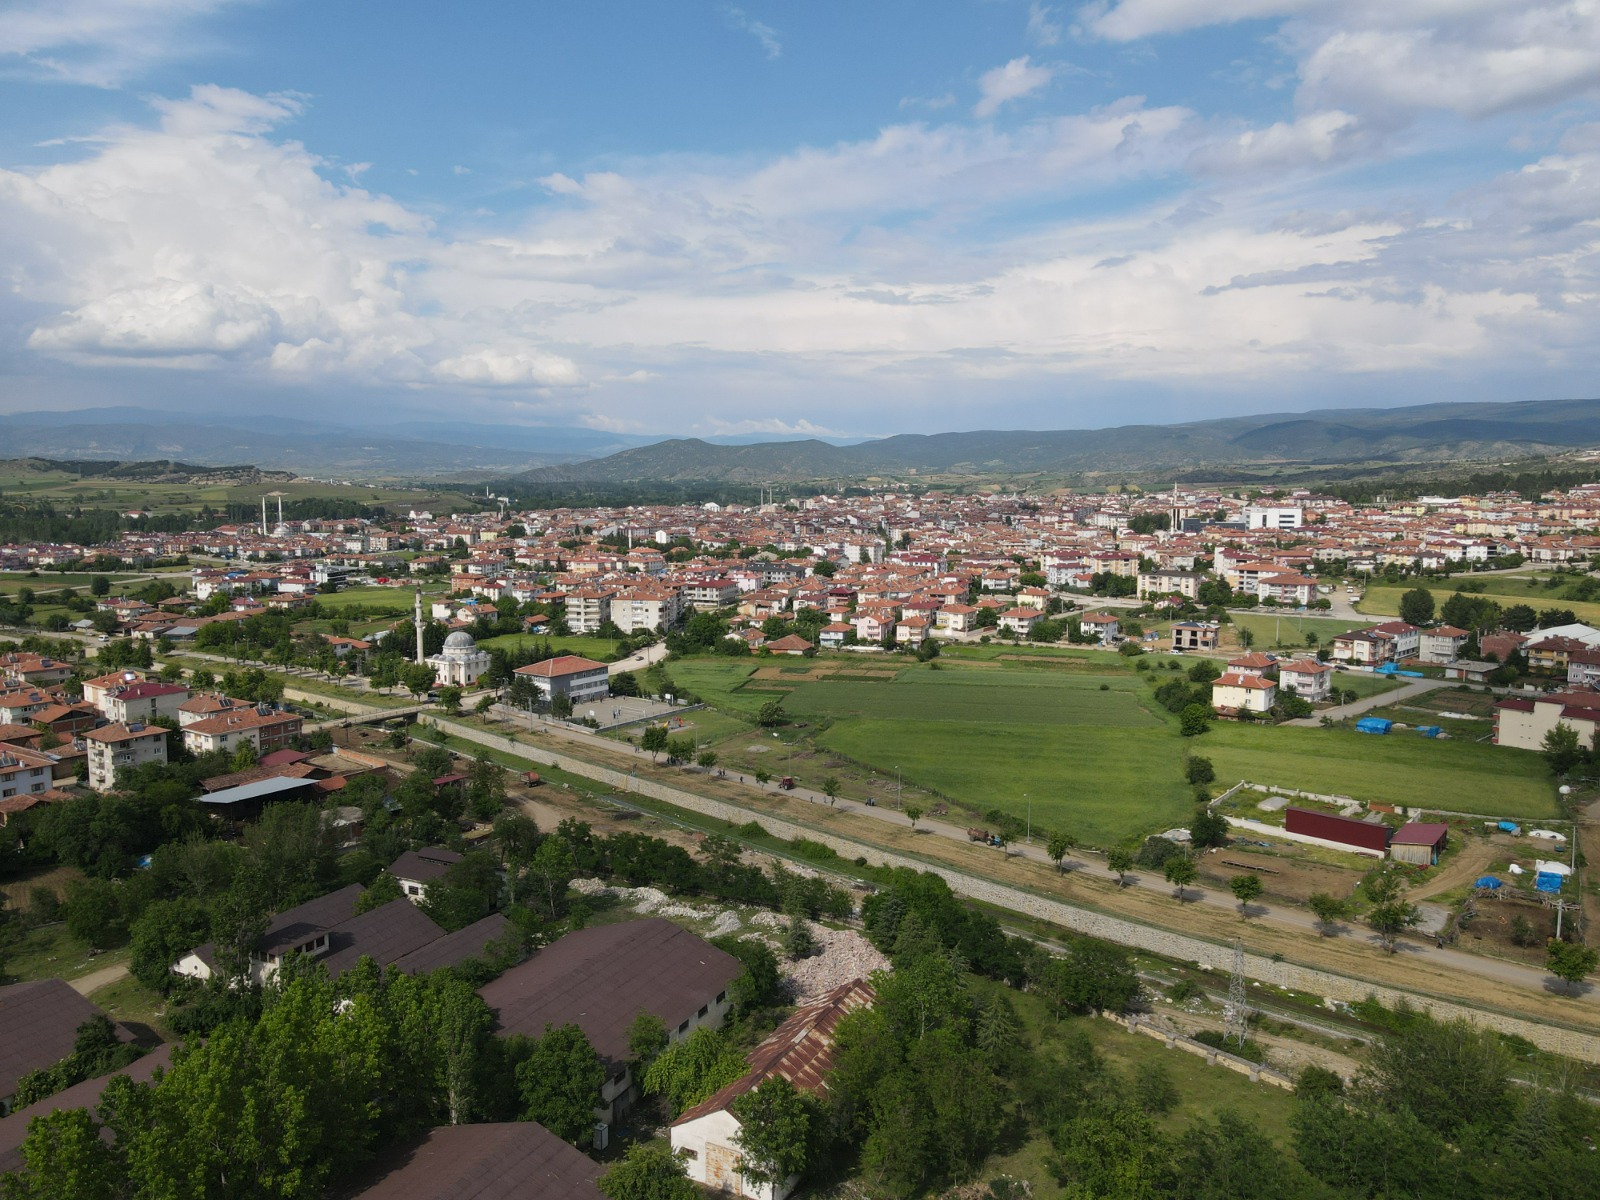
{"x": 461, "y": 662}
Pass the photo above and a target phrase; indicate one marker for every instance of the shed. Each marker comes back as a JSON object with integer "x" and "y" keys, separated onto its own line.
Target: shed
{"x": 1368, "y": 837}
{"x": 1419, "y": 843}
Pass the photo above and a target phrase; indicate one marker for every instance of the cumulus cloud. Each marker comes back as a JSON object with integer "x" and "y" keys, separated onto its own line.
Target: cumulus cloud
{"x": 204, "y": 239}
{"x": 892, "y": 264}
{"x": 101, "y": 42}
{"x": 1004, "y": 84}
{"x": 1387, "y": 59}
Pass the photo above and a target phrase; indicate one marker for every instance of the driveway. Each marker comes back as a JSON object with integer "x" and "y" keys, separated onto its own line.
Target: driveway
{"x": 1417, "y": 687}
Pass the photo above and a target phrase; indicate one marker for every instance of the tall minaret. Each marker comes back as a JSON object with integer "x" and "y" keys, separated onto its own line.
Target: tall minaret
{"x": 418, "y": 622}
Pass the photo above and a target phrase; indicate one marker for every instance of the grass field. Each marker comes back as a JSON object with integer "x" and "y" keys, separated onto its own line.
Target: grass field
{"x": 1400, "y": 768}
{"x": 1385, "y": 601}
{"x": 598, "y": 649}
{"x": 1269, "y": 627}
{"x": 398, "y": 599}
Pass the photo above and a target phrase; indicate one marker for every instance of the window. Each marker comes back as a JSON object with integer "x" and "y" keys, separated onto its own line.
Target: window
{"x": 684, "y": 1028}
{"x": 704, "y": 1008}
{"x": 721, "y": 996}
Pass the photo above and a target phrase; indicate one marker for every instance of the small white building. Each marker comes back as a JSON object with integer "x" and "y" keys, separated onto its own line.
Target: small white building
{"x": 801, "y": 1051}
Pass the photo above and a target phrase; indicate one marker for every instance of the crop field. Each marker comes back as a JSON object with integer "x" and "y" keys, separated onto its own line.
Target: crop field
{"x": 987, "y": 699}
{"x": 1398, "y": 768}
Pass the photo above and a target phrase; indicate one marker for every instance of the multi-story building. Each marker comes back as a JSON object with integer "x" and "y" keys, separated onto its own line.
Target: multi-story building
{"x": 578, "y": 679}
{"x": 24, "y": 772}
{"x": 115, "y": 747}
{"x": 266, "y": 729}
{"x": 588, "y": 608}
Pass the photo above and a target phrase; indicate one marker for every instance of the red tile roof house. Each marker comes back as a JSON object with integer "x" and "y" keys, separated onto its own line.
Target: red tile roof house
{"x": 801, "y": 1051}
{"x": 600, "y": 979}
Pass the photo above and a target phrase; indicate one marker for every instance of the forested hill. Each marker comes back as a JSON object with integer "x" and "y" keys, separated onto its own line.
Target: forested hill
{"x": 1423, "y": 433}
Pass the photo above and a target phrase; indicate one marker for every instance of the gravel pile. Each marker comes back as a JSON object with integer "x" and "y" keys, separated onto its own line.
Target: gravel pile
{"x": 727, "y": 922}
{"x": 843, "y": 955}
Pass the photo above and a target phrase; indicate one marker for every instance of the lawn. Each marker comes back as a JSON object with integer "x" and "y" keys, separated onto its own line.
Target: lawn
{"x": 1399, "y": 768}
{"x": 989, "y": 699}
{"x": 51, "y": 952}
{"x": 1385, "y": 601}
{"x": 130, "y": 1002}
{"x": 598, "y": 649}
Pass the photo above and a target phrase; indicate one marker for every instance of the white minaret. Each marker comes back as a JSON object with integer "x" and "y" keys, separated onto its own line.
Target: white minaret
{"x": 420, "y": 658}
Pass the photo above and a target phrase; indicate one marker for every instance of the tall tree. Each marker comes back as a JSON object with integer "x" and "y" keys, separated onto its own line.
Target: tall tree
{"x": 560, "y": 1082}
{"x": 779, "y": 1128}
{"x": 1416, "y": 606}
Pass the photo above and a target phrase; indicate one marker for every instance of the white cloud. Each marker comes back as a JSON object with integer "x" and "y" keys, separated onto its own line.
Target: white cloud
{"x": 1387, "y": 59}
{"x": 760, "y": 30}
{"x": 102, "y": 42}
{"x": 1010, "y": 82}
{"x": 1314, "y": 139}
{"x": 1043, "y": 27}
{"x": 870, "y": 272}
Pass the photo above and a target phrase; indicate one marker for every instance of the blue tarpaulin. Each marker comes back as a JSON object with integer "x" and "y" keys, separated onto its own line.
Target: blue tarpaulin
{"x": 1486, "y": 881}
{"x": 1547, "y": 881}
{"x": 1509, "y": 827}
{"x": 1373, "y": 725}
{"x": 1429, "y": 730}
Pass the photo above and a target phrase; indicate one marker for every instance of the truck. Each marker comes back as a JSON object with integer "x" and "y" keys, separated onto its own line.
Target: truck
{"x": 787, "y": 783}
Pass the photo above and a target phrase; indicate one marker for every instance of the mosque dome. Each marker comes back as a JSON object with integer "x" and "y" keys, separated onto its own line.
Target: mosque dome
{"x": 460, "y": 640}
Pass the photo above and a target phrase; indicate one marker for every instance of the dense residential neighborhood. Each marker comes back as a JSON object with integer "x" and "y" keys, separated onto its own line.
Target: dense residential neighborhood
{"x": 279, "y": 770}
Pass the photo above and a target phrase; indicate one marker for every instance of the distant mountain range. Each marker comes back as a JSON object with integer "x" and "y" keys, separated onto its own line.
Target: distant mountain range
{"x": 403, "y": 448}
{"x": 1424, "y": 433}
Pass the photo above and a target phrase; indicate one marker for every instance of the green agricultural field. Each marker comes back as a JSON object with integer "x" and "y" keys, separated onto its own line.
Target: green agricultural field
{"x": 988, "y": 699}
{"x": 1270, "y": 627}
{"x": 599, "y": 649}
{"x": 1103, "y": 784}
{"x": 717, "y": 681}
{"x": 398, "y": 599}
{"x": 1385, "y": 601}
{"x": 1398, "y": 768}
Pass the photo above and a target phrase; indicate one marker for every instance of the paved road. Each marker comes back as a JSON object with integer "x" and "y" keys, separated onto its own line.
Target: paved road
{"x": 639, "y": 659}
{"x": 1284, "y": 916}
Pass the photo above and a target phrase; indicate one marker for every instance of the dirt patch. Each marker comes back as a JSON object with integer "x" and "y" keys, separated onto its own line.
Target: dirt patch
{"x": 1490, "y": 932}
{"x": 1471, "y": 861}
{"x": 1284, "y": 878}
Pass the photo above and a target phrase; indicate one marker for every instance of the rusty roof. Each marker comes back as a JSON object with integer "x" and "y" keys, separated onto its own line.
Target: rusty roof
{"x": 800, "y": 1050}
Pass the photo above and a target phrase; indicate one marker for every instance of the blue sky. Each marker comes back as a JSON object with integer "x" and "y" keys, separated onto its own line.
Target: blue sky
{"x": 855, "y": 218}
